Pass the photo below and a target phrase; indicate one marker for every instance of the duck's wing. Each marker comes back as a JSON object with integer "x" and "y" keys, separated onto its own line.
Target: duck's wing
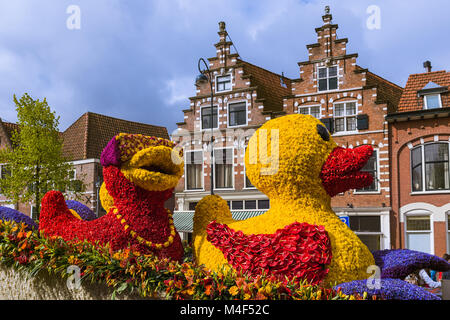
{"x": 399, "y": 263}
{"x": 387, "y": 289}
{"x": 298, "y": 250}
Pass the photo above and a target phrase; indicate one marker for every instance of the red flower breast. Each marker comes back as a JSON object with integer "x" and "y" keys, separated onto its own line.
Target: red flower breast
{"x": 298, "y": 250}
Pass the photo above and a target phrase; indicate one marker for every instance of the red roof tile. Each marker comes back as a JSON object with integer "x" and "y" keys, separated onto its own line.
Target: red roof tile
{"x": 86, "y": 137}
{"x": 410, "y": 101}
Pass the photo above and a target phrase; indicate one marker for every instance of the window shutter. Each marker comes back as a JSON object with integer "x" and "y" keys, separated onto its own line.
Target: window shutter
{"x": 362, "y": 122}
{"x": 328, "y": 122}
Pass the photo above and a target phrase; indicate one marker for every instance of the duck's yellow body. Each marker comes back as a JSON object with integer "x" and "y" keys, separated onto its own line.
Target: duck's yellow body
{"x": 294, "y": 188}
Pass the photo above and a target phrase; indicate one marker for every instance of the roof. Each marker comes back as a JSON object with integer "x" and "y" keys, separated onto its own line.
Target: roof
{"x": 271, "y": 86}
{"x": 184, "y": 220}
{"x": 7, "y": 129}
{"x": 410, "y": 101}
{"x": 86, "y": 137}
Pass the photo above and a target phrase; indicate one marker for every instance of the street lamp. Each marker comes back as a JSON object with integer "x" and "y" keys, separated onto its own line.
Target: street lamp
{"x": 201, "y": 79}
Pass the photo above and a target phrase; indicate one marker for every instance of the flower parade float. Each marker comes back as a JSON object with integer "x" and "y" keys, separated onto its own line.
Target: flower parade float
{"x": 139, "y": 173}
{"x": 300, "y": 237}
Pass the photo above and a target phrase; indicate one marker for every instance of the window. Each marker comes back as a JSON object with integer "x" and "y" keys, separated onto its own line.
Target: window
{"x": 192, "y": 205}
{"x": 250, "y": 204}
{"x": 223, "y": 83}
{"x": 430, "y": 167}
{"x": 328, "y": 79}
{"x": 345, "y": 117}
{"x": 418, "y": 233}
{"x": 237, "y": 205}
{"x": 448, "y": 230}
{"x": 432, "y": 101}
{"x": 371, "y": 166}
{"x": 248, "y": 183}
{"x": 223, "y": 168}
{"x": 263, "y": 204}
{"x": 4, "y": 172}
{"x": 311, "y": 110}
{"x": 237, "y": 114}
{"x": 368, "y": 229}
{"x": 206, "y": 117}
{"x": 194, "y": 170}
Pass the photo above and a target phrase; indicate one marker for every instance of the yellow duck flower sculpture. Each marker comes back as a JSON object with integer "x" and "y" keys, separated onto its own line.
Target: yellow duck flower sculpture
{"x": 295, "y": 162}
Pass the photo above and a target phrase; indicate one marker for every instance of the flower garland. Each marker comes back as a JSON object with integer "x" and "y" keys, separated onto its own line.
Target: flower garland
{"x": 130, "y": 271}
{"x": 141, "y": 240}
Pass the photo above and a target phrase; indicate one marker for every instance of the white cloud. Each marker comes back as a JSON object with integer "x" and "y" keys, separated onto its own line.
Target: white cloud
{"x": 178, "y": 90}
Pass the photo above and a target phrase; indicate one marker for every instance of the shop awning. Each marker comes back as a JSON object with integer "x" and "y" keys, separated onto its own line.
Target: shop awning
{"x": 184, "y": 222}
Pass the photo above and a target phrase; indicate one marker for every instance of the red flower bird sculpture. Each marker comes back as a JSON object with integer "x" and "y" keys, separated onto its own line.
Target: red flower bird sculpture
{"x": 139, "y": 173}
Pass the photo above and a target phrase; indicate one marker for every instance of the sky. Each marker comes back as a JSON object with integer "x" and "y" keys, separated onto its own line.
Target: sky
{"x": 137, "y": 60}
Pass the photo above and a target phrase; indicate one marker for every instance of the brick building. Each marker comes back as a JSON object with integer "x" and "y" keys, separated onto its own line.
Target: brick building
{"x": 245, "y": 96}
{"x": 419, "y": 160}
{"x": 350, "y": 100}
{"x": 83, "y": 142}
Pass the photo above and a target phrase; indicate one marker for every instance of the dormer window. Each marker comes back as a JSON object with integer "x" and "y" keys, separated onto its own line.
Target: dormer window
{"x": 431, "y": 95}
{"x": 223, "y": 83}
{"x": 432, "y": 101}
{"x": 328, "y": 78}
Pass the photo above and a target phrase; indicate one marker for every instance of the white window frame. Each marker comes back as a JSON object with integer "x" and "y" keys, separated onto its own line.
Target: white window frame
{"x": 424, "y": 188}
{"x": 185, "y": 172}
{"x": 328, "y": 77}
{"x": 214, "y": 174}
{"x": 378, "y": 191}
{"x": 74, "y": 174}
{"x": 245, "y": 180}
{"x": 228, "y": 114}
{"x": 309, "y": 109}
{"x": 419, "y": 213}
{"x": 425, "y": 101}
{"x": 345, "y": 117}
{"x": 201, "y": 117}
{"x": 223, "y": 75}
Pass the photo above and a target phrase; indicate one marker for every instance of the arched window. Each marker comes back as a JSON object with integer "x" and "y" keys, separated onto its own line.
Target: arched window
{"x": 430, "y": 167}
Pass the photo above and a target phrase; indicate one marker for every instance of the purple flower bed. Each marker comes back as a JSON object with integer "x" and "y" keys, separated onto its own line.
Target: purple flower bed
{"x": 399, "y": 263}
{"x": 390, "y": 289}
{"x": 83, "y": 211}
{"x": 8, "y": 214}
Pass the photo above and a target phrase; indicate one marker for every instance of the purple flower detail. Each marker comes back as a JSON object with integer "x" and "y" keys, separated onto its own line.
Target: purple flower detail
{"x": 111, "y": 154}
{"x": 83, "y": 211}
{"x": 389, "y": 289}
{"x": 401, "y": 262}
{"x": 8, "y": 214}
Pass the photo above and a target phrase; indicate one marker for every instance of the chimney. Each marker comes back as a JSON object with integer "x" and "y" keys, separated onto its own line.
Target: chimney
{"x": 427, "y": 65}
{"x": 327, "y": 16}
{"x": 222, "y": 32}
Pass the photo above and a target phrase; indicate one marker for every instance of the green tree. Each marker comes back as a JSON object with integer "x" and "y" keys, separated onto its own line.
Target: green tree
{"x": 35, "y": 164}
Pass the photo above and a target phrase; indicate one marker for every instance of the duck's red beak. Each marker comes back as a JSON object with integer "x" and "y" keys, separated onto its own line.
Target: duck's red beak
{"x": 341, "y": 171}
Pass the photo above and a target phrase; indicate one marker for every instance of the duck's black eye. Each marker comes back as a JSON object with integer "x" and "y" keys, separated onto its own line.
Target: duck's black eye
{"x": 323, "y": 132}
